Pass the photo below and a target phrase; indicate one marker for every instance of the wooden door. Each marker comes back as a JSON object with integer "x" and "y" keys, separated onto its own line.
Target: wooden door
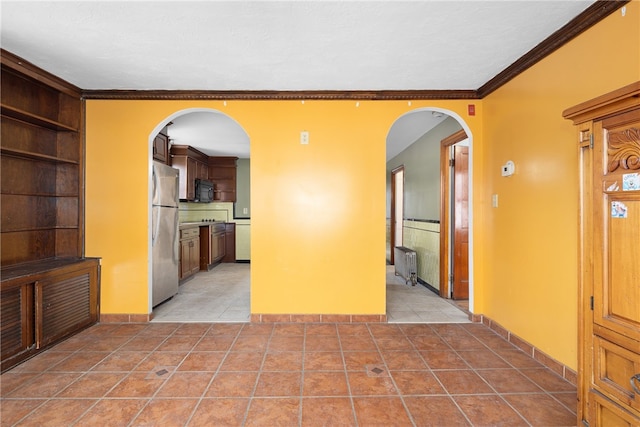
{"x": 616, "y": 260}
{"x": 609, "y": 307}
{"x": 461, "y": 223}
{"x": 397, "y": 208}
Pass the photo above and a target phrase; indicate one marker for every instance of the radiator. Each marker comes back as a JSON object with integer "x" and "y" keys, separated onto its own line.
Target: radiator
{"x": 406, "y": 264}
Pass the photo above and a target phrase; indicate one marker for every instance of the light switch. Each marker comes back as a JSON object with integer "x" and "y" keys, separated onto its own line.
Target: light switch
{"x": 245, "y": 211}
{"x": 494, "y": 200}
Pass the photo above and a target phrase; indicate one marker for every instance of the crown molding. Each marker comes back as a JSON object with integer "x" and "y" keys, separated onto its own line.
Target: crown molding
{"x": 271, "y": 95}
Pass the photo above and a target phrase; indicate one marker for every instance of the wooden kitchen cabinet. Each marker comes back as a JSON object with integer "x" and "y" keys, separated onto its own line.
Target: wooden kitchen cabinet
{"x": 230, "y": 242}
{"x": 161, "y": 148}
{"x": 192, "y": 164}
{"x": 222, "y": 172}
{"x": 189, "y": 252}
{"x": 213, "y": 248}
{"x": 608, "y": 130}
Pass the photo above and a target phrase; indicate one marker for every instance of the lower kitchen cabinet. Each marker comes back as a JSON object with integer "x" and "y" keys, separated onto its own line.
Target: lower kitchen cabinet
{"x": 189, "y": 252}
{"x": 212, "y": 247}
{"x": 230, "y": 242}
{"x": 44, "y": 302}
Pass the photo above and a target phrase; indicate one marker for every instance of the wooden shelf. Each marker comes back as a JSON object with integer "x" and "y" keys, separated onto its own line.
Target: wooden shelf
{"x": 34, "y": 119}
{"x": 35, "y": 156}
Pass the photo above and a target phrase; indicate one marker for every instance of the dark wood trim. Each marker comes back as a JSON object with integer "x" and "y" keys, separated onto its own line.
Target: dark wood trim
{"x": 392, "y": 236}
{"x": 587, "y": 19}
{"x": 14, "y": 62}
{"x": 445, "y": 243}
{"x": 273, "y": 95}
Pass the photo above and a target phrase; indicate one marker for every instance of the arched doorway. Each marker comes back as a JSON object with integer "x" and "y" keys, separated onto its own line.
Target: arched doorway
{"x": 203, "y": 296}
{"x": 414, "y": 143}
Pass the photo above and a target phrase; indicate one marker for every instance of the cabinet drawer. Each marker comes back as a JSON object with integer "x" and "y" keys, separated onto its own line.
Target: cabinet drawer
{"x": 188, "y": 233}
{"x": 605, "y": 413}
{"x": 614, "y": 365}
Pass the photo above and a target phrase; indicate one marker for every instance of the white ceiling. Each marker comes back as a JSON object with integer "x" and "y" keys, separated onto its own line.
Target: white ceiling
{"x": 279, "y": 45}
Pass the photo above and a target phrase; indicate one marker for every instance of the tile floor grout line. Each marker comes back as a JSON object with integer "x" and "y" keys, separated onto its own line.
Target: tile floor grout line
{"x": 346, "y": 376}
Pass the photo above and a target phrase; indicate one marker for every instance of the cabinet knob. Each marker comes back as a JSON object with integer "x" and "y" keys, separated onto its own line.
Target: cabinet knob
{"x": 635, "y": 383}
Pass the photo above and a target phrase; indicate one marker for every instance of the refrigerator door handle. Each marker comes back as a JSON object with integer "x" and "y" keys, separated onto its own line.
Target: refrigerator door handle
{"x": 156, "y": 225}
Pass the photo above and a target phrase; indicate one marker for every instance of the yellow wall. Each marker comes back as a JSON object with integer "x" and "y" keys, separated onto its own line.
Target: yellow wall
{"x": 318, "y": 210}
{"x": 530, "y": 251}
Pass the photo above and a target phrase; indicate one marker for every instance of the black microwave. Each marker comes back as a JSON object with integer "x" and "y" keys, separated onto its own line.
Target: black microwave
{"x": 204, "y": 191}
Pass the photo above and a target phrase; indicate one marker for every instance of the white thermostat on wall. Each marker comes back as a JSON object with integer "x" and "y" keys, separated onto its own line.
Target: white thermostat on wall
{"x": 508, "y": 168}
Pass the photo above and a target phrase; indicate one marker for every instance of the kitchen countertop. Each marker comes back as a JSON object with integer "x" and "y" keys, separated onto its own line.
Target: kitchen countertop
{"x": 190, "y": 224}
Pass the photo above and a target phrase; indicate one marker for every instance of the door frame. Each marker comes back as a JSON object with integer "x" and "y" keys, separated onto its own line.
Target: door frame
{"x": 445, "y": 211}
{"x": 392, "y": 239}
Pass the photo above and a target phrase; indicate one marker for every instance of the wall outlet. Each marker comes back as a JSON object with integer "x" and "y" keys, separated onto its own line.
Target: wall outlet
{"x": 245, "y": 211}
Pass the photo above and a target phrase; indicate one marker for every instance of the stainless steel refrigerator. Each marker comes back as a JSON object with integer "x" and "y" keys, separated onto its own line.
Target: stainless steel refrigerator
{"x": 164, "y": 233}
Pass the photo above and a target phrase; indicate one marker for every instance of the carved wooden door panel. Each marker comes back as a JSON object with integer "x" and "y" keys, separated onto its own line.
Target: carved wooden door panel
{"x": 616, "y": 270}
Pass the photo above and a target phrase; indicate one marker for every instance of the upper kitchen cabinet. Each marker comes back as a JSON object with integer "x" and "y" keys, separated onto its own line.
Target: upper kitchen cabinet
{"x": 192, "y": 164}
{"x": 161, "y": 148}
{"x": 222, "y": 171}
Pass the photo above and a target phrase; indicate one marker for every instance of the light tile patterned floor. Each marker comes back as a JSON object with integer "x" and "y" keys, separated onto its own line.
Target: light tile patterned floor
{"x": 285, "y": 374}
{"x": 222, "y": 295}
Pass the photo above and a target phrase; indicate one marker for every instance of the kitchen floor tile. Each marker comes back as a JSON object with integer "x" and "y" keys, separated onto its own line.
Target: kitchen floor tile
{"x": 232, "y": 384}
{"x": 325, "y": 384}
{"x": 45, "y": 385}
{"x": 185, "y": 384}
{"x": 554, "y": 413}
{"x": 403, "y": 360}
{"x": 273, "y": 412}
{"x": 137, "y": 385}
{"x": 380, "y": 411}
{"x": 462, "y": 382}
{"x": 279, "y": 384}
{"x": 58, "y": 412}
{"x": 166, "y": 412}
{"x": 219, "y": 412}
{"x": 13, "y": 410}
{"x": 283, "y": 361}
{"x": 362, "y": 384}
{"x": 112, "y": 412}
{"x": 489, "y": 410}
{"x": 435, "y": 411}
{"x": 327, "y": 411}
{"x": 323, "y": 361}
{"x": 416, "y": 383}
